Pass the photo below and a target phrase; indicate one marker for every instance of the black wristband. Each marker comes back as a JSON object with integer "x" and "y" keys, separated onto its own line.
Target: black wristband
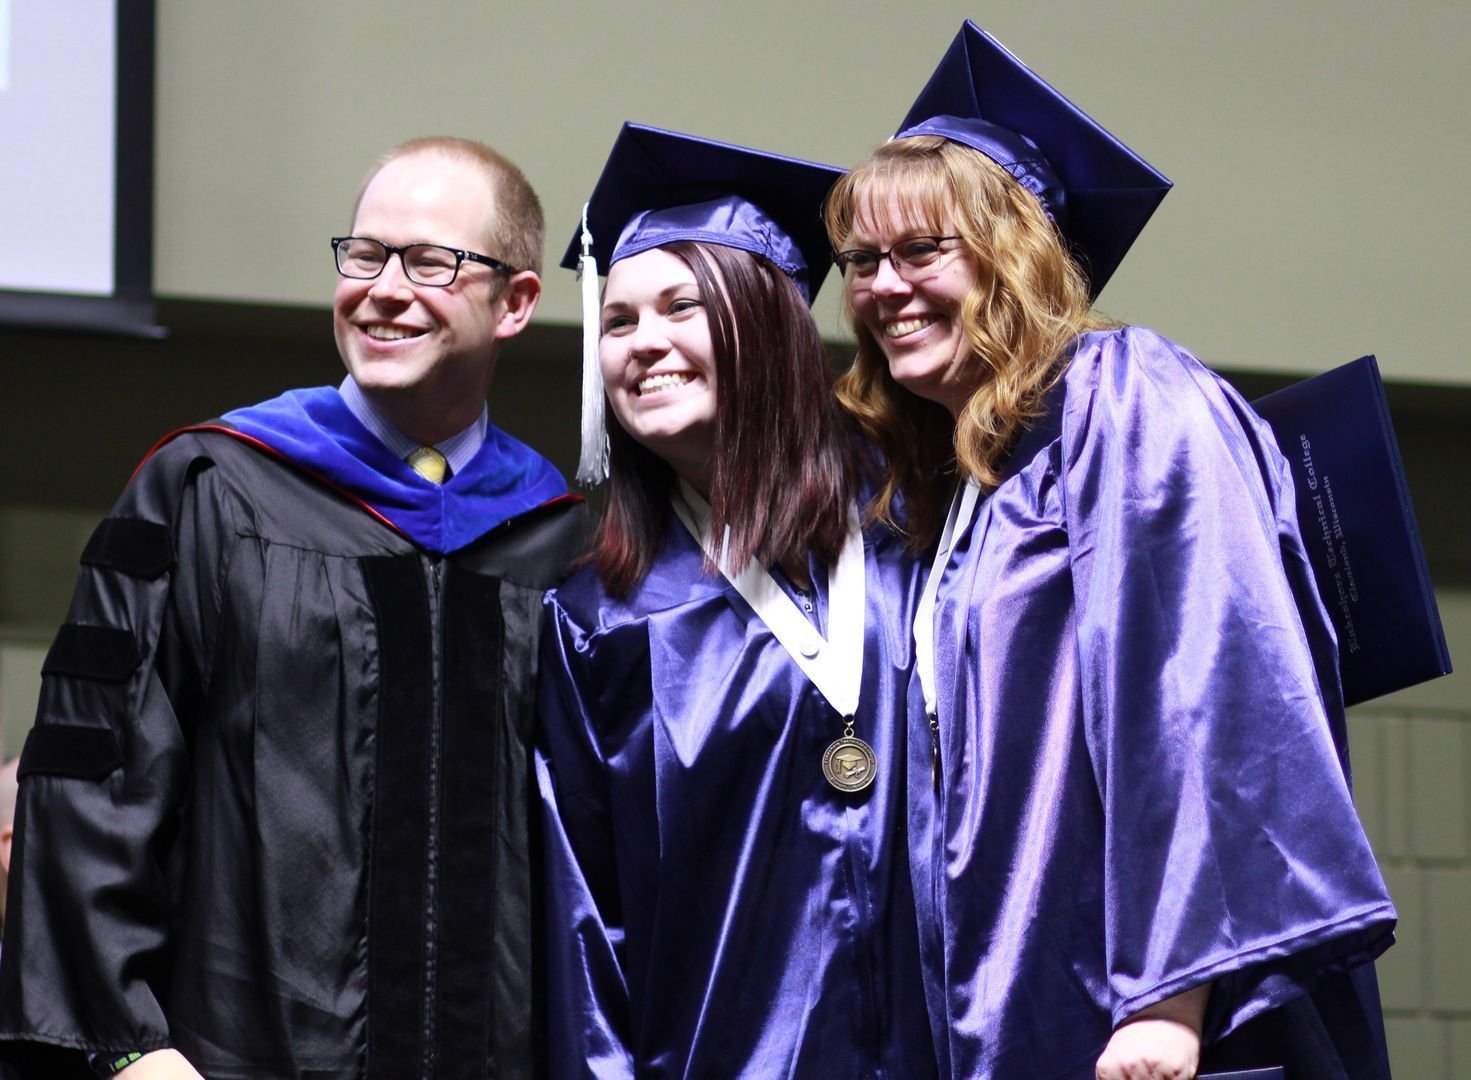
{"x": 109, "y": 1063}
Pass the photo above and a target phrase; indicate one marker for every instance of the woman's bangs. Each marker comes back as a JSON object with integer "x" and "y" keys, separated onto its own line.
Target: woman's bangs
{"x": 913, "y": 188}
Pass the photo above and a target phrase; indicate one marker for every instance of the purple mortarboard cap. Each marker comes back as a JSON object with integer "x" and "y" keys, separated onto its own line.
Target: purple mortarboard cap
{"x": 661, "y": 186}
{"x": 1098, "y": 191}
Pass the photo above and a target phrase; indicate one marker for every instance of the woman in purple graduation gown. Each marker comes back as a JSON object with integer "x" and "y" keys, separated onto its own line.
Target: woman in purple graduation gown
{"x": 1132, "y": 832}
{"x": 723, "y": 760}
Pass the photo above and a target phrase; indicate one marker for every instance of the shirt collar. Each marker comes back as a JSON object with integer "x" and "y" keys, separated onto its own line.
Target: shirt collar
{"x": 459, "y": 449}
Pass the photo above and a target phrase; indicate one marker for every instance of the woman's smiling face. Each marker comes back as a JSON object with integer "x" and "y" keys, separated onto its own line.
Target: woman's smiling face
{"x": 915, "y": 315}
{"x": 658, "y": 360}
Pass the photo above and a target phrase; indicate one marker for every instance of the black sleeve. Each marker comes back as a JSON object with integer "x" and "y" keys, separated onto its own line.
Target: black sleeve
{"x": 104, "y": 773}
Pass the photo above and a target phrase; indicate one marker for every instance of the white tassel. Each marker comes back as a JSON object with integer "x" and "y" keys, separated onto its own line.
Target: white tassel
{"x": 592, "y": 465}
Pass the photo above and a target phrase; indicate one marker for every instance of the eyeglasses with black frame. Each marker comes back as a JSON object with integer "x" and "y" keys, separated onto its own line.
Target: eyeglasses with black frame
{"x": 914, "y": 252}
{"x": 364, "y": 258}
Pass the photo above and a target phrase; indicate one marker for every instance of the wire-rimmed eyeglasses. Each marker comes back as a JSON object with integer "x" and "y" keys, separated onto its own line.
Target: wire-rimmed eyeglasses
{"x": 364, "y": 258}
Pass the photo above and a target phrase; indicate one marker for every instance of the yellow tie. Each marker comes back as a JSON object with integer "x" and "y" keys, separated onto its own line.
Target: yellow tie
{"x": 428, "y": 463}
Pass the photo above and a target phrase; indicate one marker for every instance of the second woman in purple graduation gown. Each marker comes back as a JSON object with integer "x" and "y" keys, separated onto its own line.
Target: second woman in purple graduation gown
{"x": 717, "y": 906}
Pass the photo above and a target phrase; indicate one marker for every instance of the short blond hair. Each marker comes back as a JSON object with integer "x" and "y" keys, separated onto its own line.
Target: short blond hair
{"x": 516, "y": 232}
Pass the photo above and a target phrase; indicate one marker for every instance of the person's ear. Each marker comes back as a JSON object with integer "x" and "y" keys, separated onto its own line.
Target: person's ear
{"x": 516, "y": 303}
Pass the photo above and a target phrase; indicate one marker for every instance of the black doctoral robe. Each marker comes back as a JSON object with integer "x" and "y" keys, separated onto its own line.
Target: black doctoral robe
{"x": 276, "y": 808}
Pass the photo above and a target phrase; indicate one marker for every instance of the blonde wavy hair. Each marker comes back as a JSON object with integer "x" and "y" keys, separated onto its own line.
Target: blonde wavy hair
{"x": 1028, "y": 304}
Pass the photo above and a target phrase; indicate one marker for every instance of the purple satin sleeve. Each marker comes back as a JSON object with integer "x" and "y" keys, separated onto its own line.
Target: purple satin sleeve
{"x": 715, "y": 907}
{"x": 587, "y": 1021}
{"x": 588, "y": 1024}
{"x": 1142, "y": 788}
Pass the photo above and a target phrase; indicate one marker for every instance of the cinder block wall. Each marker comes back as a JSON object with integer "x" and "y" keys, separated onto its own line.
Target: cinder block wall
{"x": 1412, "y": 774}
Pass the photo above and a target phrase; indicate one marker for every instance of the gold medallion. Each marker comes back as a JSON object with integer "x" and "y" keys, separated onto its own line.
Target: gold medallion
{"x": 849, "y": 764}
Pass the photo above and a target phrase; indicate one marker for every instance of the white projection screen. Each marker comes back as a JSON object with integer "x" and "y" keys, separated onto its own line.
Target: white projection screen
{"x": 76, "y": 165}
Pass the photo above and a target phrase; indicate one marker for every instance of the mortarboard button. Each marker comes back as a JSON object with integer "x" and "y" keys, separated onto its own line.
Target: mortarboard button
{"x": 658, "y": 187}
{"x": 1098, "y": 191}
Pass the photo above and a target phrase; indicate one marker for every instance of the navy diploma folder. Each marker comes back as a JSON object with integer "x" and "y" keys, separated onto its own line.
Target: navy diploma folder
{"x": 1359, "y": 528}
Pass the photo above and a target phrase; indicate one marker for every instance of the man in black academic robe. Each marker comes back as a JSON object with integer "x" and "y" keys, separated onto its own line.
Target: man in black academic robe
{"x": 275, "y": 811}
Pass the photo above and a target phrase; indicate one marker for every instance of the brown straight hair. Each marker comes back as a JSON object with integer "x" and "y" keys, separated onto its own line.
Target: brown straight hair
{"x": 782, "y": 475}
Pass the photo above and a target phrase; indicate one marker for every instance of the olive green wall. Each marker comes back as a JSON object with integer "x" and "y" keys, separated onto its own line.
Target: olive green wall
{"x": 1321, "y": 148}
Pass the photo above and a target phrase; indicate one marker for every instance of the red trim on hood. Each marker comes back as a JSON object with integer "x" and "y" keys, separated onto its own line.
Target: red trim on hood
{"x": 250, "y": 440}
